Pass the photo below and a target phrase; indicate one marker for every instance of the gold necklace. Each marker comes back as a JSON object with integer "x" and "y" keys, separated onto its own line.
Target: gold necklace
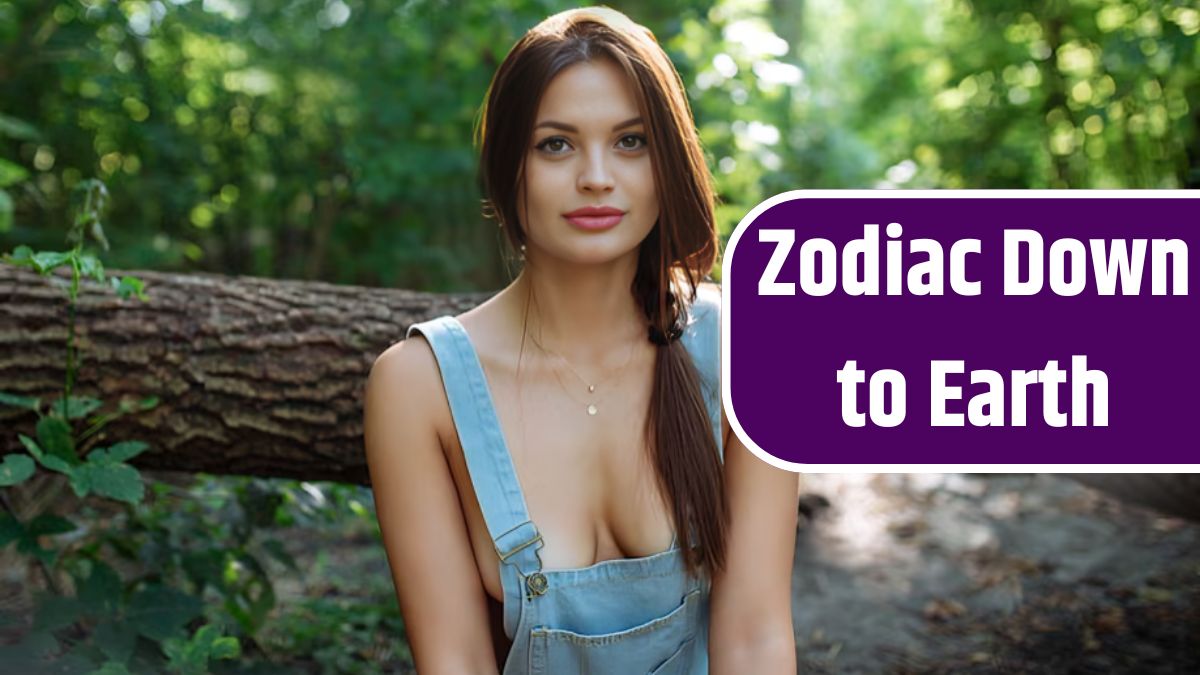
{"x": 591, "y": 407}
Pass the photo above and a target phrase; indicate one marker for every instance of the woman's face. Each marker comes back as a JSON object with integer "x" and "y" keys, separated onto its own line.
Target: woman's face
{"x": 588, "y": 195}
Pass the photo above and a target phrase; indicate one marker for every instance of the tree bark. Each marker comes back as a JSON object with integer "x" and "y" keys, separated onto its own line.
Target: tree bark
{"x": 254, "y": 376}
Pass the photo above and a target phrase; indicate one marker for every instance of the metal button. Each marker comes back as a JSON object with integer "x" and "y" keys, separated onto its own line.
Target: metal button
{"x": 537, "y": 584}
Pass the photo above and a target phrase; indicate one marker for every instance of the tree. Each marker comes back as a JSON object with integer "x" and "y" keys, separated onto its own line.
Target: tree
{"x": 254, "y": 376}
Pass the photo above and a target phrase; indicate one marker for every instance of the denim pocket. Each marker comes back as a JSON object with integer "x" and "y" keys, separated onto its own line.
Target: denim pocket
{"x": 679, "y": 663}
{"x": 660, "y": 646}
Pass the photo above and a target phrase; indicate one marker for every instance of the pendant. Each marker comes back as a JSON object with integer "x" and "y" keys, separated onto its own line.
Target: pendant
{"x": 592, "y": 409}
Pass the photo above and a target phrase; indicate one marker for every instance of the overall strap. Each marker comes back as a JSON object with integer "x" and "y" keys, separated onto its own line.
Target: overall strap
{"x": 488, "y": 461}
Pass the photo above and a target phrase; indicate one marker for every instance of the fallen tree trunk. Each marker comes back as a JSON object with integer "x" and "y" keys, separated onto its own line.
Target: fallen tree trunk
{"x": 255, "y": 376}
{"x": 259, "y": 376}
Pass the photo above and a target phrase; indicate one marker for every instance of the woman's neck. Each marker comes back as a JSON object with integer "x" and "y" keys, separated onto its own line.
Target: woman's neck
{"x": 583, "y": 312}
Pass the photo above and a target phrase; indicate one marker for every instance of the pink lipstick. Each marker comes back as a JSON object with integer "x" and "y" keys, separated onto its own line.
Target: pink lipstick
{"x": 595, "y": 217}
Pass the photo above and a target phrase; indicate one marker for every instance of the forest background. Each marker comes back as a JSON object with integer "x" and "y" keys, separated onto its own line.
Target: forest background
{"x": 331, "y": 140}
{"x": 324, "y": 139}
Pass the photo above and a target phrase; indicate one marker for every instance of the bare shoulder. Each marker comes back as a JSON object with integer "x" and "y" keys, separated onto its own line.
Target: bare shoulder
{"x": 406, "y": 384}
{"x": 410, "y": 361}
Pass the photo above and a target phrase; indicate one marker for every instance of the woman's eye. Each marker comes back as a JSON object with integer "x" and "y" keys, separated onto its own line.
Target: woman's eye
{"x": 554, "y": 145}
{"x": 632, "y": 142}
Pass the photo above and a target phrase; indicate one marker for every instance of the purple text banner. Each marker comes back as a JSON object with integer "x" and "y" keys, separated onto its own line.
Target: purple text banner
{"x": 946, "y": 330}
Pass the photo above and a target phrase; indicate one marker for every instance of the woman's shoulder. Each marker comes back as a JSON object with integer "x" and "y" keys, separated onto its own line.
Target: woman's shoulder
{"x": 405, "y": 378}
{"x": 410, "y": 360}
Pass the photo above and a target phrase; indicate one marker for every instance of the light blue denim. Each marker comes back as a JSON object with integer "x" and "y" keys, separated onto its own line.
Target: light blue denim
{"x": 621, "y": 617}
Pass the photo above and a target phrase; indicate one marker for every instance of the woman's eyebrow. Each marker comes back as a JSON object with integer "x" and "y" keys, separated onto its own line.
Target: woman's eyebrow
{"x": 633, "y": 121}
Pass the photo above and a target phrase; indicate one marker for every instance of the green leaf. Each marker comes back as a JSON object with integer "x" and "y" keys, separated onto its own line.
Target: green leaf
{"x": 11, "y": 174}
{"x": 206, "y": 567}
{"x": 45, "y": 261}
{"x": 81, "y": 481}
{"x": 128, "y": 286}
{"x": 76, "y": 660}
{"x": 183, "y": 657}
{"x": 126, "y": 450}
{"x": 116, "y": 640}
{"x": 32, "y": 446}
{"x": 226, "y": 648}
{"x": 54, "y": 436}
{"x": 53, "y": 612}
{"x": 77, "y": 406}
{"x": 31, "y": 654}
{"x": 100, "y": 593}
{"x": 191, "y": 657}
{"x": 90, "y": 266}
{"x": 43, "y": 525}
{"x": 116, "y": 481}
{"x": 48, "y": 524}
{"x": 16, "y": 469}
{"x": 160, "y": 613}
{"x": 27, "y": 402}
{"x": 57, "y": 464}
{"x": 21, "y": 255}
{"x": 18, "y": 129}
{"x": 104, "y": 473}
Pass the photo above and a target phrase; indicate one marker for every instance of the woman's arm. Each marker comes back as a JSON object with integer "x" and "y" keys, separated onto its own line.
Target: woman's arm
{"x": 437, "y": 582}
{"x": 751, "y": 627}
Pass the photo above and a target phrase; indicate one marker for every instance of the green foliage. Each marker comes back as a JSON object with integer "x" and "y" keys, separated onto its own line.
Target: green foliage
{"x": 944, "y": 94}
{"x": 6, "y": 211}
{"x": 117, "y": 613}
{"x": 103, "y": 471}
{"x": 191, "y": 657}
{"x": 159, "y": 613}
{"x": 197, "y": 581}
{"x": 342, "y": 637}
{"x": 197, "y": 566}
{"x": 27, "y": 535}
{"x": 333, "y": 138}
{"x": 15, "y": 469}
{"x": 11, "y": 173}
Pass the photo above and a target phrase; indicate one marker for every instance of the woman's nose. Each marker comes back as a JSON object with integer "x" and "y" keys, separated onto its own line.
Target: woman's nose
{"x": 596, "y": 174}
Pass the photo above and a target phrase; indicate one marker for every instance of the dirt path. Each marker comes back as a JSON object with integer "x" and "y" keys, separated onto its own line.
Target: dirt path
{"x": 915, "y": 573}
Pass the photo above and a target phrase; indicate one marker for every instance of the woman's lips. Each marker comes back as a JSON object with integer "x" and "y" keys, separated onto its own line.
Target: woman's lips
{"x": 595, "y": 217}
{"x": 596, "y": 222}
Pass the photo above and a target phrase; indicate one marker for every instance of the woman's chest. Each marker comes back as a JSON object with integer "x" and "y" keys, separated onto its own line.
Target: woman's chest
{"x": 583, "y": 467}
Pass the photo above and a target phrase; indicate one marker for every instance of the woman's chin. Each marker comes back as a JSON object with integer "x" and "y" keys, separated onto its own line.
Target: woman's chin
{"x": 592, "y": 255}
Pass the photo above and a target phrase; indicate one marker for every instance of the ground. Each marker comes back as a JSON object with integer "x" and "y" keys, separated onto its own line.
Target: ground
{"x": 954, "y": 573}
{"x": 899, "y": 574}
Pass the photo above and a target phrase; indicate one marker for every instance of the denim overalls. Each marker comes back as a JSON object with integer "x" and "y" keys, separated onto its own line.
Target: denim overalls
{"x": 630, "y": 616}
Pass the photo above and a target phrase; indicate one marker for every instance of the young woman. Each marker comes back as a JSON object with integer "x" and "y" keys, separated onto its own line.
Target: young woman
{"x": 557, "y": 486}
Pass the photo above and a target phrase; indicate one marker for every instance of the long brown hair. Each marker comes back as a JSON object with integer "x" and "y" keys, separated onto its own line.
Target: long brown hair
{"x": 678, "y": 252}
